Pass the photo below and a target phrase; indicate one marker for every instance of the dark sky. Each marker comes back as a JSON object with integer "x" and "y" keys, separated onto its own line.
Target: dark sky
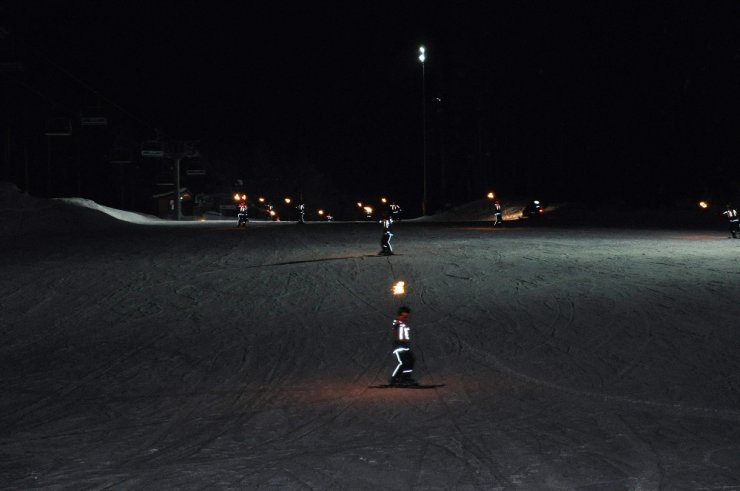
{"x": 561, "y": 97}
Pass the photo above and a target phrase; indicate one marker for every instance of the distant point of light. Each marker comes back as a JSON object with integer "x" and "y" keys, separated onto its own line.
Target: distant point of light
{"x": 703, "y": 204}
{"x": 422, "y": 54}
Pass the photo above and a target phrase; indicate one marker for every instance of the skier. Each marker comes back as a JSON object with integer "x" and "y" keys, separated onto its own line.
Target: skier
{"x": 395, "y": 211}
{"x": 385, "y": 239}
{"x": 733, "y": 219}
{"x": 272, "y": 213}
{"x": 242, "y": 213}
{"x": 402, "y": 375}
{"x": 497, "y": 213}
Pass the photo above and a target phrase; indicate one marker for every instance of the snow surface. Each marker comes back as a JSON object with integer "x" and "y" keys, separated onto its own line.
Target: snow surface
{"x": 209, "y": 356}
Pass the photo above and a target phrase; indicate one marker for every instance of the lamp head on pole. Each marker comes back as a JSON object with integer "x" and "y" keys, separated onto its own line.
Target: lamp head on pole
{"x": 422, "y": 54}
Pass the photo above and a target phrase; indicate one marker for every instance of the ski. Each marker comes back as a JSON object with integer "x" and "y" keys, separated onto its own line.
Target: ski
{"x": 410, "y": 386}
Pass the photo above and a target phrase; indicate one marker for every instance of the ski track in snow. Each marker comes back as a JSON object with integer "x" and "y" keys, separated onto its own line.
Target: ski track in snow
{"x": 211, "y": 356}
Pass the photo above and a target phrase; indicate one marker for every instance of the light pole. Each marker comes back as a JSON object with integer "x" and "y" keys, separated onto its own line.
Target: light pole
{"x": 177, "y": 150}
{"x": 178, "y": 204}
{"x": 422, "y": 59}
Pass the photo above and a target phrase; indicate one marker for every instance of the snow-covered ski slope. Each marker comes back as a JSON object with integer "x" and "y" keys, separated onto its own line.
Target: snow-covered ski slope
{"x": 206, "y": 356}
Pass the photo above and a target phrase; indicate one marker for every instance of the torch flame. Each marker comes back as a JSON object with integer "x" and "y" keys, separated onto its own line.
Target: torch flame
{"x": 399, "y": 288}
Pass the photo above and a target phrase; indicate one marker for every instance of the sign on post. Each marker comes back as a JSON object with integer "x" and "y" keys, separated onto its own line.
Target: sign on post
{"x": 152, "y": 148}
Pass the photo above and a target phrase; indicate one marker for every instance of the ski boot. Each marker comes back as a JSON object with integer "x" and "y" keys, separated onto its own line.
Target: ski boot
{"x": 406, "y": 379}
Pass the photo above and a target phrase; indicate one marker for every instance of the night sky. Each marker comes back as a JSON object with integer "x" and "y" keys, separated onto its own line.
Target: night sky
{"x": 617, "y": 101}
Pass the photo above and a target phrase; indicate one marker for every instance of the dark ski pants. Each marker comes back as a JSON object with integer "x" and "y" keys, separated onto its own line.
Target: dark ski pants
{"x": 406, "y": 360}
{"x": 385, "y": 242}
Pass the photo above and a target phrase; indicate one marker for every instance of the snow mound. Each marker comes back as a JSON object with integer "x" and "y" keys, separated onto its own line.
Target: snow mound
{"x": 22, "y": 214}
{"x": 481, "y": 210}
{"x": 12, "y": 198}
{"x": 126, "y": 216}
